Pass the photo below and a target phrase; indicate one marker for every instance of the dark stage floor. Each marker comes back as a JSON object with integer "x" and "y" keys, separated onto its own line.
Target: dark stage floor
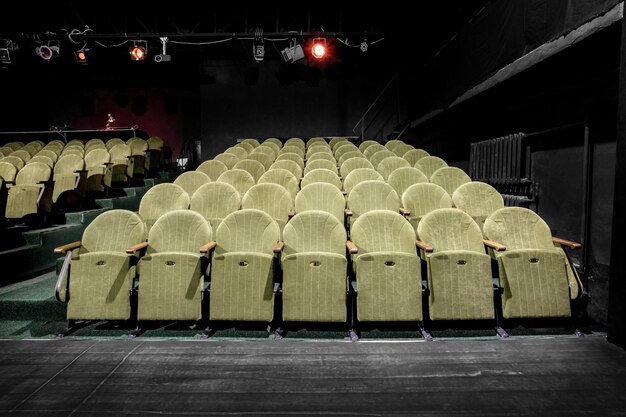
{"x": 538, "y": 376}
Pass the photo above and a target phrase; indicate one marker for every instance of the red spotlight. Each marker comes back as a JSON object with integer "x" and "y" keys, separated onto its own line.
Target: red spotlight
{"x": 81, "y": 56}
{"x": 319, "y": 48}
{"x": 139, "y": 51}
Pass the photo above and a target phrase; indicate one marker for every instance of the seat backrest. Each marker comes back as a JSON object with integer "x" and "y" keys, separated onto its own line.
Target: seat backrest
{"x": 213, "y": 168}
{"x": 251, "y": 141}
{"x": 155, "y": 142}
{"x": 340, "y": 150}
{"x": 321, "y": 196}
{"x": 450, "y": 229}
{"x": 215, "y": 200}
{"x": 43, "y": 159}
{"x": 450, "y": 178}
{"x": 319, "y": 149}
{"x": 238, "y": 151}
{"x": 414, "y": 155}
{"x": 403, "y": 178}
{"x": 366, "y": 144}
{"x": 190, "y": 181}
{"x": 320, "y": 163}
{"x": 400, "y": 150}
{"x": 33, "y": 174}
{"x": 73, "y": 150}
{"x": 429, "y": 164}
{"x": 281, "y": 177}
{"x": 289, "y": 165}
{"x": 321, "y": 155}
{"x": 265, "y": 159}
{"x": 114, "y": 231}
{"x": 268, "y": 150}
{"x": 22, "y": 154}
{"x": 336, "y": 141}
{"x": 477, "y": 199}
{"x": 138, "y": 146}
{"x": 372, "y": 149}
{"x": 255, "y": 168}
{"x": 273, "y": 199}
{"x": 228, "y": 159}
{"x": 393, "y": 143}
{"x": 377, "y": 157}
{"x": 359, "y": 175}
{"x": 292, "y": 149}
{"x": 390, "y": 164}
{"x": 238, "y": 178}
{"x": 321, "y": 175}
{"x": 160, "y": 199}
{"x": 15, "y": 145}
{"x": 96, "y": 158}
{"x": 247, "y": 230}
{"x": 69, "y": 164}
{"x": 113, "y": 142}
{"x": 383, "y": 231}
{"x": 295, "y": 142}
{"x": 120, "y": 153}
{"x": 423, "y": 198}
{"x": 50, "y": 154}
{"x": 518, "y": 228}
{"x": 314, "y": 231}
{"x": 350, "y": 154}
{"x": 372, "y": 195}
{"x": 315, "y": 141}
{"x": 179, "y": 231}
{"x": 276, "y": 141}
{"x": 14, "y": 160}
{"x": 291, "y": 156}
{"x": 7, "y": 171}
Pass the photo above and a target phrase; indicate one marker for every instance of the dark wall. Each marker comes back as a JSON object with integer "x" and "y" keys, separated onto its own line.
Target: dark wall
{"x": 276, "y": 99}
{"x": 554, "y": 100}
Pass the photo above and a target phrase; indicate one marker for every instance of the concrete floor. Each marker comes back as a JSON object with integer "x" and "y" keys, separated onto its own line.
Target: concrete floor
{"x": 520, "y": 376}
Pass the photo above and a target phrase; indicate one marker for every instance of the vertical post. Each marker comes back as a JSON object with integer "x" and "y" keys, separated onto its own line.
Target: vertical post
{"x": 617, "y": 282}
{"x": 587, "y": 193}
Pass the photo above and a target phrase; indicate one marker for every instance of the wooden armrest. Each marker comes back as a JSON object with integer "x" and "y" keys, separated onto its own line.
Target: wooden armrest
{"x": 347, "y": 212}
{"x": 206, "y": 248}
{"x": 136, "y": 247}
{"x": 291, "y": 213}
{"x": 351, "y": 247}
{"x": 423, "y": 246}
{"x": 494, "y": 245}
{"x": 278, "y": 247}
{"x": 65, "y": 248}
{"x": 568, "y": 243}
{"x": 405, "y": 212}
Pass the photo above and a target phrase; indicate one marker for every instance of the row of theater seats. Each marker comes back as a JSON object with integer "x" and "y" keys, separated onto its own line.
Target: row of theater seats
{"x": 384, "y": 252}
{"x": 35, "y": 175}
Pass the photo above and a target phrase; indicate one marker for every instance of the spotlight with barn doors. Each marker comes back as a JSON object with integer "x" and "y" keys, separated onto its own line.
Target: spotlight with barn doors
{"x": 293, "y": 52}
{"x": 319, "y": 48}
{"x": 139, "y": 51}
{"x": 46, "y": 52}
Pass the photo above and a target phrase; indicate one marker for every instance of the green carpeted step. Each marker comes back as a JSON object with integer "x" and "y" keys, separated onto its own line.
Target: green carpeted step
{"x": 31, "y": 300}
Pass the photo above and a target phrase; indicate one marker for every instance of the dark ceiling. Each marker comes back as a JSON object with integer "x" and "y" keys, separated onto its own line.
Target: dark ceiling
{"x": 408, "y": 35}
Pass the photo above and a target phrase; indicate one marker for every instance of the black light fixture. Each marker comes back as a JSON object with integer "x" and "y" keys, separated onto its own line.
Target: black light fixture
{"x": 318, "y": 50}
{"x": 258, "y": 45}
{"x": 293, "y": 52}
{"x": 81, "y": 55}
{"x": 49, "y": 51}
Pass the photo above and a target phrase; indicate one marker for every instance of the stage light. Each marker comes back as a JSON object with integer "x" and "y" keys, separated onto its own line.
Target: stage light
{"x": 46, "y": 52}
{"x": 258, "y": 46}
{"x": 293, "y": 52}
{"x": 6, "y": 46}
{"x": 139, "y": 50}
{"x": 5, "y": 56}
{"x": 81, "y": 56}
{"x": 319, "y": 48}
{"x": 164, "y": 57}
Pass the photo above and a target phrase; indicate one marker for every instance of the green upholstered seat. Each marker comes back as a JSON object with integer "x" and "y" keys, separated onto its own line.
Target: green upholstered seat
{"x": 138, "y": 149}
{"x": 393, "y": 143}
{"x": 423, "y": 198}
{"x": 390, "y": 164}
{"x": 289, "y": 165}
{"x": 112, "y": 142}
{"x": 121, "y": 166}
{"x": 314, "y": 268}
{"x": 321, "y": 175}
{"x": 154, "y": 154}
{"x": 69, "y": 175}
{"x": 24, "y": 197}
{"x": 265, "y": 159}
{"x": 275, "y": 141}
{"x": 255, "y": 168}
{"x": 172, "y": 271}
{"x": 213, "y": 168}
{"x": 41, "y": 158}
{"x": 160, "y": 199}
{"x": 377, "y": 157}
{"x": 268, "y": 149}
{"x": 295, "y": 142}
{"x": 251, "y": 141}
{"x": 281, "y": 177}
{"x": 532, "y": 271}
{"x": 403, "y": 178}
{"x": 238, "y": 151}
{"x": 22, "y": 154}
{"x": 292, "y": 149}
{"x": 372, "y": 149}
{"x": 351, "y": 164}
{"x": 429, "y": 164}
{"x": 359, "y": 175}
{"x": 477, "y": 199}
{"x": 320, "y": 164}
{"x": 317, "y": 140}
{"x": 318, "y": 149}
{"x": 402, "y": 149}
{"x": 227, "y": 159}
{"x": 450, "y": 178}
{"x": 388, "y": 272}
{"x": 336, "y": 141}
{"x": 321, "y": 155}
{"x": 372, "y": 195}
{"x": 242, "y": 273}
{"x": 459, "y": 271}
{"x": 214, "y": 201}
{"x": 298, "y": 158}
{"x": 247, "y": 146}
{"x": 7, "y": 173}
{"x": 101, "y": 273}
{"x": 340, "y": 150}
{"x": 321, "y": 196}
{"x": 238, "y": 178}
{"x": 71, "y": 149}
{"x": 13, "y": 160}
{"x": 414, "y": 155}
{"x": 190, "y": 181}
{"x": 366, "y": 144}
{"x": 355, "y": 153}
{"x": 95, "y": 164}
{"x": 273, "y": 199}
